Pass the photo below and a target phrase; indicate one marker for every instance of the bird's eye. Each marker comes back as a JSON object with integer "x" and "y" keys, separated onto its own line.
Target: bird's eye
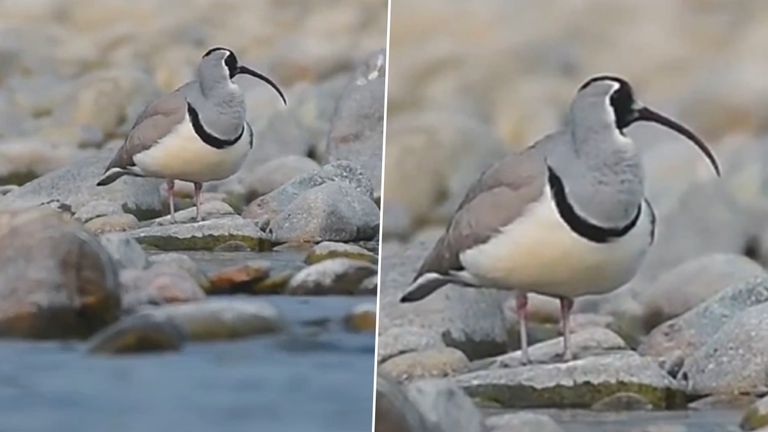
{"x": 230, "y": 61}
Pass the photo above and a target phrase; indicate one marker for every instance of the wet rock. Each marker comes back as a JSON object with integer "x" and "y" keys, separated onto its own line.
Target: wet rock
{"x": 575, "y": 384}
{"x": 731, "y": 360}
{"x": 687, "y": 333}
{"x": 362, "y": 318}
{"x": 522, "y": 422}
{"x": 622, "y": 402}
{"x": 74, "y": 186}
{"x": 470, "y": 320}
{"x": 333, "y": 211}
{"x": 370, "y": 286}
{"x": 137, "y": 334}
{"x": 232, "y": 246}
{"x": 723, "y": 402}
{"x": 112, "y": 223}
{"x": 756, "y": 416}
{"x": 429, "y": 363}
{"x": 98, "y": 209}
{"x": 277, "y": 172}
{"x": 395, "y": 411}
{"x": 159, "y": 284}
{"x": 238, "y": 278}
{"x": 125, "y": 251}
{"x": 357, "y": 127}
{"x": 274, "y": 283}
{"x": 184, "y": 263}
{"x": 216, "y": 319}
{"x": 56, "y": 279}
{"x": 682, "y": 288}
{"x": 205, "y": 235}
{"x": 589, "y": 342}
{"x": 400, "y": 340}
{"x": 208, "y": 210}
{"x": 445, "y": 406}
{"x": 333, "y": 276}
{"x": 265, "y": 208}
{"x": 326, "y": 250}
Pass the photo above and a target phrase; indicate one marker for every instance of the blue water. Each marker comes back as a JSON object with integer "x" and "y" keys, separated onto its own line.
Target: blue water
{"x": 315, "y": 377}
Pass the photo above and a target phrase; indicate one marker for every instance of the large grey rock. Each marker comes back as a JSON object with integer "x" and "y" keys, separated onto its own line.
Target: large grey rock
{"x": 468, "y": 319}
{"x": 732, "y": 359}
{"x": 395, "y": 411}
{"x": 73, "y": 187}
{"x": 684, "y": 335}
{"x": 278, "y": 172}
{"x": 522, "y": 422}
{"x": 333, "y": 276}
{"x": 579, "y": 383}
{"x": 357, "y": 128}
{"x": 429, "y": 363}
{"x": 206, "y": 235}
{"x": 265, "y": 208}
{"x": 56, "y": 279}
{"x": 222, "y": 318}
{"x": 333, "y": 211}
{"x": 125, "y": 251}
{"x": 445, "y": 406}
{"x": 684, "y": 287}
{"x": 588, "y": 342}
{"x": 395, "y": 341}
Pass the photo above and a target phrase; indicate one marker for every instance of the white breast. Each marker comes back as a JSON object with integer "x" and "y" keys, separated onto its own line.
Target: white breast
{"x": 181, "y": 155}
{"x": 539, "y": 253}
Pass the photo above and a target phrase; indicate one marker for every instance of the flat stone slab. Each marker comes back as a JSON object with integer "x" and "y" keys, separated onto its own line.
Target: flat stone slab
{"x": 576, "y": 384}
{"x": 206, "y": 235}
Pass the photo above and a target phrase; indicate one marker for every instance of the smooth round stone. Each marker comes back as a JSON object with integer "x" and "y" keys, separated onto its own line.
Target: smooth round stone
{"x": 362, "y": 318}
{"x": 238, "y": 278}
{"x": 329, "y": 249}
{"x": 436, "y": 362}
{"x": 217, "y": 319}
{"x": 342, "y": 276}
{"x": 112, "y": 223}
{"x": 137, "y": 334}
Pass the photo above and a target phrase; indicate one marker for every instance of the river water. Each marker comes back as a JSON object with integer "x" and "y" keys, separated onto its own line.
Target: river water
{"x": 315, "y": 377}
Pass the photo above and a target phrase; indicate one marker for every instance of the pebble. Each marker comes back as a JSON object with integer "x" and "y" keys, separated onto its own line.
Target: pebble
{"x": 341, "y": 276}
{"x": 429, "y": 363}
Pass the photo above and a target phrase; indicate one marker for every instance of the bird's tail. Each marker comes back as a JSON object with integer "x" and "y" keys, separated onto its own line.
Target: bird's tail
{"x": 110, "y": 176}
{"x": 424, "y": 286}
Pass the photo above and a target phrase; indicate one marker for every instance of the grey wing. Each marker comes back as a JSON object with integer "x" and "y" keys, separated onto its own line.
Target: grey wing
{"x": 155, "y": 122}
{"x": 496, "y": 199}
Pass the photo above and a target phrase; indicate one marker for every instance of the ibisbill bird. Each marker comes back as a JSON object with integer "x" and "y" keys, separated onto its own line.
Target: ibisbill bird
{"x": 566, "y": 217}
{"x": 197, "y": 133}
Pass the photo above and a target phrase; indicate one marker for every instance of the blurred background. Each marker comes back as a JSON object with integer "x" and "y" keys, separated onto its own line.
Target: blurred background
{"x": 471, "y": 81}
{"x": 74, "y": 75}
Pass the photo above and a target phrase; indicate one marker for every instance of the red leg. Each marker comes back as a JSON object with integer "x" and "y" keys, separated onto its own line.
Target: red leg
{"x": 198, "y": 190}
{"x": 566, "y": 304}
{"x": 170, "y": 184}
{"x": 521, "y": 303}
